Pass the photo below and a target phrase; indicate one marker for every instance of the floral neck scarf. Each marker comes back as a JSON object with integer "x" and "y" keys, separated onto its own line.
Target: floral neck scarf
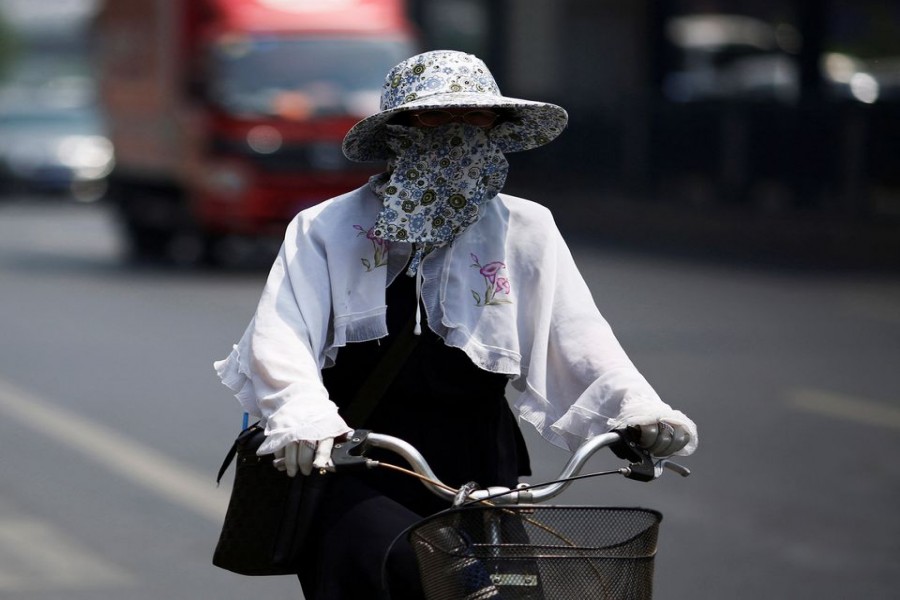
{"x": 435, "y": 184}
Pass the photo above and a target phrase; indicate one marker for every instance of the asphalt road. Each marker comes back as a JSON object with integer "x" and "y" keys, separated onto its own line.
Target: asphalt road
{"x": 112, "y": 423}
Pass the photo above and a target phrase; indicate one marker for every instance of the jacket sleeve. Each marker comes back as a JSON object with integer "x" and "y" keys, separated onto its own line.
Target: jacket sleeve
{"x": 275, "y": 369}
{"x": 580, "y": 382}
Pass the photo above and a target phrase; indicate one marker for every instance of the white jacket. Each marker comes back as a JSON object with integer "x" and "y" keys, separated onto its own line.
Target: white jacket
{"x": 506, "y": 291}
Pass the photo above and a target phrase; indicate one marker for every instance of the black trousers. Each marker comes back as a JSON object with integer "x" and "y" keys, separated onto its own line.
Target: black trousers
{"x": 355, "y": 552}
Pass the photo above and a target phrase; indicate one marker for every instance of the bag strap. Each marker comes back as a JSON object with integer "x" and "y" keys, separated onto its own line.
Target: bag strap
{"x": 232, "y": 452}
{"x": 226, "y": 463}
{"x": 381, "y": 377}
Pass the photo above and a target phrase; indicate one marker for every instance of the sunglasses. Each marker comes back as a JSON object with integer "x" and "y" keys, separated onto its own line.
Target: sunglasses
{"x": 435, "y": 118}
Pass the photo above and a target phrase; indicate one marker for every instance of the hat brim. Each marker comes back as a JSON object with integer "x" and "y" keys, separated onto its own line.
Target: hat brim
{"x": 533, "y": 124}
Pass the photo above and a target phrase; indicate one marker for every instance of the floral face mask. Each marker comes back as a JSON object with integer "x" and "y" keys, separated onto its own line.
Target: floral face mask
{"x": 436, "y": 184}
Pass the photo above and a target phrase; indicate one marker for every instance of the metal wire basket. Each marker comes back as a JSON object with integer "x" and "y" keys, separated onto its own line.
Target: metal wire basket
{"x": 537, "y": 552}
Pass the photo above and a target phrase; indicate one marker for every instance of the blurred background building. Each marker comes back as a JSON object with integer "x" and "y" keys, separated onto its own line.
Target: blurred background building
{"x": 777, "y": 104}
{"x": 773, "y": 109}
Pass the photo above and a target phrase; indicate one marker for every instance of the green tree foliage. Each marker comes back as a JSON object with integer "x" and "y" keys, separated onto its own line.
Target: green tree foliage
{"x": 9, "y": 45}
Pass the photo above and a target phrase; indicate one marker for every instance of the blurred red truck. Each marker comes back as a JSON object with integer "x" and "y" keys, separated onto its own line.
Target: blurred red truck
{"x": 227, "y": 116}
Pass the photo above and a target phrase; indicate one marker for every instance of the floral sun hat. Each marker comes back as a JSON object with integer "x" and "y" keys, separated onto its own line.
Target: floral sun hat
{"x": 450, "y": 79}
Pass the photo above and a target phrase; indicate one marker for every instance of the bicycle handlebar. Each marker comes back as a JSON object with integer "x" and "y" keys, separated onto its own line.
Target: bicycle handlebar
{"x": 351, "y": 454}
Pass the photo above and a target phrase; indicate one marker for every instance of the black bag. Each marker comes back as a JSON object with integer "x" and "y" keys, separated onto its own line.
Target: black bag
{"x": 269, "y": 513}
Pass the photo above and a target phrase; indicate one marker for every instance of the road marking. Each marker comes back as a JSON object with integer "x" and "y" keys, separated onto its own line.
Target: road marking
{"x": 128, "y": 458}
{"x": 848, "y": 408}
{"x": 36, "y": 557}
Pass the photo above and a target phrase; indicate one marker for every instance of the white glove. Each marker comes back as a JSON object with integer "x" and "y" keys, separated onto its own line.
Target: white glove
{"x": 663, "y": 438}
{"x": 304, "y": 456}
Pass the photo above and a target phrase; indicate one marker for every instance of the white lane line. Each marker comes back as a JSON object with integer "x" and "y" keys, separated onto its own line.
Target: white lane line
{"x": 34, "y": 557}
{"x": 126, "y": 457}
{"x": 844, "y": 407}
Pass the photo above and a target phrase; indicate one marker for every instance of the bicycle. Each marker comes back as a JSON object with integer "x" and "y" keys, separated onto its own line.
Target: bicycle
{"x": 502, "y": 544}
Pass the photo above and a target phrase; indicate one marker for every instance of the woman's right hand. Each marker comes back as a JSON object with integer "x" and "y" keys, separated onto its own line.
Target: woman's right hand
{"x": 303, "y": 456}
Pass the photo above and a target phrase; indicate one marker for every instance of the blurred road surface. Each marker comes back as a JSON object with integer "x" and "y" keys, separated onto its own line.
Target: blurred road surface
{"x": 112, "y": 422}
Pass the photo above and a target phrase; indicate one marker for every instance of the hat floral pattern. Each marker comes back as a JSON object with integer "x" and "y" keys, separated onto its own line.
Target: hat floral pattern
{"x": 451, "y": 79}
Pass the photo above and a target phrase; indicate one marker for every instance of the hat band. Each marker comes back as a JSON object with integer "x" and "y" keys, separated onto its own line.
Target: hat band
{"x": 419, "y": 98}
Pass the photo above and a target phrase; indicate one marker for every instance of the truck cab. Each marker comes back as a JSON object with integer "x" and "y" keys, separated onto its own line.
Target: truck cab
{"x": 227, "y": 116}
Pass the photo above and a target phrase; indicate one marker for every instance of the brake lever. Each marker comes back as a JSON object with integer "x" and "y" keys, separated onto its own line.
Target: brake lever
{"x": 644, "y": 469}
{"x": 647, "y": 469}
{"x": 674, "y": 467}
{"x": 344, "y": 455}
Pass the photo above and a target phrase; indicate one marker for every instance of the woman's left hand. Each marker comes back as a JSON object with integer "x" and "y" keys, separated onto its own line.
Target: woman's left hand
{"x": 663, "y": 438}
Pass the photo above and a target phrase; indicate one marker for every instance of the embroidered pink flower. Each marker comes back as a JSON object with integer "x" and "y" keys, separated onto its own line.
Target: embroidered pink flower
{"x": 380, "y": 245}
{"x": 494, "y": 283}
{"x": 491, "y": 269}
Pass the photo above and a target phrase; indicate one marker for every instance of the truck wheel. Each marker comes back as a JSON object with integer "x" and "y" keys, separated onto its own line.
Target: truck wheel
{"x": 186, "y": 248}
{"x": 146, "y": 244}
{"x": 181, "y": 248}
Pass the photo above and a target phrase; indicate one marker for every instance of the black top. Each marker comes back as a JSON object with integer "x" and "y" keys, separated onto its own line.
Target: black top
{"x": 455, "y": 413}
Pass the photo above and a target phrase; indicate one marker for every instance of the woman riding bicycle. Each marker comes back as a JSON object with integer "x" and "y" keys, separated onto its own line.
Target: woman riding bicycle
{"x": 428, "y": 291}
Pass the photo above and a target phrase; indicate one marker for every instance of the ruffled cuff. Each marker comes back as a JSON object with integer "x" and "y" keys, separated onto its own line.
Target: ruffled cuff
{"x": 236, "y": 377}
{"x": 579, "y": 424}
{"x": 295, "y": 421}
{"x": 568, "y": 430}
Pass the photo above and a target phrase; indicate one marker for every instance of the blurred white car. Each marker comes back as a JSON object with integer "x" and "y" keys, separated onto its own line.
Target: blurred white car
{"x": 729, "y": 57}
{"x": 62, "y": 150}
